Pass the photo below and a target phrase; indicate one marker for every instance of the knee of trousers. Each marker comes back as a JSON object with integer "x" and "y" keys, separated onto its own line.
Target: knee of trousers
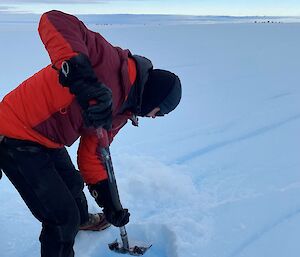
{"x": 71, "y": 224}
{"x": 65, "y": 226}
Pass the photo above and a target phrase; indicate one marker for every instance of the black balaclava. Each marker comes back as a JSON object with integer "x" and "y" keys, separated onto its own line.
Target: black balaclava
{"x": 162, "y": 89}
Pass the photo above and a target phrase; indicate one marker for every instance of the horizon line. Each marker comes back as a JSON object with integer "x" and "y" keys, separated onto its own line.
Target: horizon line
{"x": 159, "y": 14}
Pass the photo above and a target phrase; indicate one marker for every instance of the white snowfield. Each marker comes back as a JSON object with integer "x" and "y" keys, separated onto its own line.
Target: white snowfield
{"x": 220, "y": 176}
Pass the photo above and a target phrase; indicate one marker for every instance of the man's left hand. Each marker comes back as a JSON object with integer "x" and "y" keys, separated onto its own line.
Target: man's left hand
{"x": 118, "y": 218}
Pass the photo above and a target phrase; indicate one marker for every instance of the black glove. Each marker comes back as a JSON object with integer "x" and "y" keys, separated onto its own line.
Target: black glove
{"x": 96, "y": 102}
{"x": 107, "y": 197}
{"x": 95, "y": 116}
{"x": 93, "y": 96}
{"x": 119, "y": 218}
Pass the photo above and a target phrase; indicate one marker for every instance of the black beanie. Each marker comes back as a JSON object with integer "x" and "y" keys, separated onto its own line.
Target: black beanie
{"x": 162, "y": 89}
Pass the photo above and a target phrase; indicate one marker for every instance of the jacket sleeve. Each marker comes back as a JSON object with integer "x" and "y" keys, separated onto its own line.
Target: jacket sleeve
{"x": 63, "y": 36}
{"x": 89, "y": 157}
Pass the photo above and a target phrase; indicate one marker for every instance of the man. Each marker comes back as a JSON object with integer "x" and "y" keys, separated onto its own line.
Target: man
{"x": 89, "y": 91}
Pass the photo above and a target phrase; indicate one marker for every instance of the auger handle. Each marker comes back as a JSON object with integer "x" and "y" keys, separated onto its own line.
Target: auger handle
{"x": 123, "y": 232}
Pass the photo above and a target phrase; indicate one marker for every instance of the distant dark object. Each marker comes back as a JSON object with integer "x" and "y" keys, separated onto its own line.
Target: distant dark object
{"x": 273, "y": 22}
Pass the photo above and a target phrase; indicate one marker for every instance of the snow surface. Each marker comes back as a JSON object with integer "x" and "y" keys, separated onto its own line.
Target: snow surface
{"x": 219, "y": 177}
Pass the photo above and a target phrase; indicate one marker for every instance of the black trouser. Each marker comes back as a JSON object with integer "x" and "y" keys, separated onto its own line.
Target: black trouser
{"x": 52, "y": 189}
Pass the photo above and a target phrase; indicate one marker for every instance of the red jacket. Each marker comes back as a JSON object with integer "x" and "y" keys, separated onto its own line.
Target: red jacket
{"x": 43, "y": 111}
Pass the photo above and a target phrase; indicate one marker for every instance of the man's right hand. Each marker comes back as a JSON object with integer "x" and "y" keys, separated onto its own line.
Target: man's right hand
{"x": 93, "y": 96}
{"x": 98, "y": 115}
{"x": 96, "y": 103}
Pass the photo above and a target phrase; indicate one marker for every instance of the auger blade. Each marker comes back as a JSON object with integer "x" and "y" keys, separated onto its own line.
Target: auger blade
{"x": 135, "y": 250}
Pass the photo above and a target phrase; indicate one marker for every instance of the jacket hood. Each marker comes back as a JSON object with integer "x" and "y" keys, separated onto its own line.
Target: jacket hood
{"x": 134, "y": 100}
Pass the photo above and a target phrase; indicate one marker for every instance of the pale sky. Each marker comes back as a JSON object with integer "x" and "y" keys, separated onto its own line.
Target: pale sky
{"x": 189, "y": 7}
